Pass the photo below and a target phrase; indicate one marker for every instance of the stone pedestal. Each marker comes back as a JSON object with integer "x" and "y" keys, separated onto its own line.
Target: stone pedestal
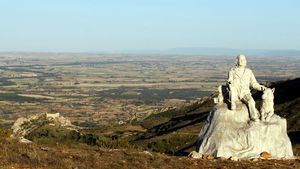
{"x": 229, "y": 133}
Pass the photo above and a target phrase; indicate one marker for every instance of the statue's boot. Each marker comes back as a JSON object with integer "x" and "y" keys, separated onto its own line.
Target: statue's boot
{"x": 233, "y": 106}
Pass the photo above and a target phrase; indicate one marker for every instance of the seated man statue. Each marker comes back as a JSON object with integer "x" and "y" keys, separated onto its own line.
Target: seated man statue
{"x": 240, "y": 79}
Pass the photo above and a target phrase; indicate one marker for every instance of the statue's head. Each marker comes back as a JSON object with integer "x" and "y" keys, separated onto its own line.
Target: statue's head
{"x": 241, "y": 61}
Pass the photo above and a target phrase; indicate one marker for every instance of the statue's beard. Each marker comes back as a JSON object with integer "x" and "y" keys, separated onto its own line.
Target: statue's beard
{"x": 241, "y": 66}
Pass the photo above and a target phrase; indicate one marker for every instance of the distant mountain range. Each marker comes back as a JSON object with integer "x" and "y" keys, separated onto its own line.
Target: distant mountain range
{"x": 218, "y": 51}
{"x": 204, "y": 51}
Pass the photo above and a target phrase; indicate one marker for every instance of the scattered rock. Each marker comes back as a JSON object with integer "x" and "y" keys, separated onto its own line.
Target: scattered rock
{"x": 121, "y": 122}
{"x": 53, "y": 116}
{"x": 45, "y": 148}
{"x": 222, "y": 158}
{"x": 265, "y": 155}
{"x": 255, "y": 159}
{"x": 24, "y": 140}
{"x": 195, "y": 155}
{"x": 233, "y": 158}
{"x": 148, "y": 153}
{"x": 207, "y": 157}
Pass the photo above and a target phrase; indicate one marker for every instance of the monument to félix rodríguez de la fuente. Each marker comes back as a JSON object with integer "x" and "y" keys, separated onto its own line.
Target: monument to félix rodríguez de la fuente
{"x": 235, "y": 128}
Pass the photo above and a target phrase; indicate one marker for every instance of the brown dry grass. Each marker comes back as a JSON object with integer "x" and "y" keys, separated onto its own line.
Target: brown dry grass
{"x": 18, "y": 155}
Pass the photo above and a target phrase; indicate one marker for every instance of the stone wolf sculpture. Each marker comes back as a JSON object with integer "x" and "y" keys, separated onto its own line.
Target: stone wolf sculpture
{"x": 267, "y": 108}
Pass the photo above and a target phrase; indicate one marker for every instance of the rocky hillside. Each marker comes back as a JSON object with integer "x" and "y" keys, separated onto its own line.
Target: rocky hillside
{"x": 161, "y": 140}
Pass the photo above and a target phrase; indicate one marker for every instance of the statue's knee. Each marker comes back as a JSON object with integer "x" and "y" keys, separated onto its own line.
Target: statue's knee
{"x": 251, "y": 101}
{"x": 248, "y": 98}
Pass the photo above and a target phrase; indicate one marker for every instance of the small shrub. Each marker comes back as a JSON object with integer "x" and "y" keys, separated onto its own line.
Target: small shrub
{"x": 118, "y": 143}
{"x": 5, "y": 133}
{"x": 169, "y": 145}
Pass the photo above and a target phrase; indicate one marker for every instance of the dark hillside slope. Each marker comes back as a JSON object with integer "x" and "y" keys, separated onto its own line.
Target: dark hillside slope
{"x": 174, "y": 131}
{"x": 287, "y": 105}
{"x": 286, "y": 91}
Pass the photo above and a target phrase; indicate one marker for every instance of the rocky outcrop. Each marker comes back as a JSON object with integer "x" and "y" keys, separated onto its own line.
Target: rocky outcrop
{"x": 23, "y": 126}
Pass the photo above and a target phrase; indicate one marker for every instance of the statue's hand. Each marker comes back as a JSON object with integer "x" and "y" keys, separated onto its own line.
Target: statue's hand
{"x": 262, "y": 88}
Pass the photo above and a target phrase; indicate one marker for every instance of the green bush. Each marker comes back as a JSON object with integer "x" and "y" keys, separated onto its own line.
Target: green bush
{"x": 52, "y": 135}
{"x": 110, "y": 143}
{"x": 169, "y": 145}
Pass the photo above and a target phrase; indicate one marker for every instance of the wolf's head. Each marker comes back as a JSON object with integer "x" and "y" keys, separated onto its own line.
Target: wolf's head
{"x": 268, "y": 94}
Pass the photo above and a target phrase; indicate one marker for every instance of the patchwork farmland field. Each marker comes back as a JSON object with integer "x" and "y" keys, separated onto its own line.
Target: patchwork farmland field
{"x": 102, "y": 89}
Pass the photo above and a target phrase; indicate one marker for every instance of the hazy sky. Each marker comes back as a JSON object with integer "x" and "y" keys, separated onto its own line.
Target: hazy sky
{"x": 114, "y": 25}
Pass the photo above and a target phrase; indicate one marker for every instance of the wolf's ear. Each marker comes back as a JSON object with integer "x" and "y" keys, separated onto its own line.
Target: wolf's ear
{"x": 273, "y": 90}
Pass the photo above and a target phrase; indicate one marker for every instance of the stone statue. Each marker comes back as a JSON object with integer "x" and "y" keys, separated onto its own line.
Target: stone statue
{"x": 267, "y": 108}
{"x": 240, "y": 79}
{"x": 227, "y": 132}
